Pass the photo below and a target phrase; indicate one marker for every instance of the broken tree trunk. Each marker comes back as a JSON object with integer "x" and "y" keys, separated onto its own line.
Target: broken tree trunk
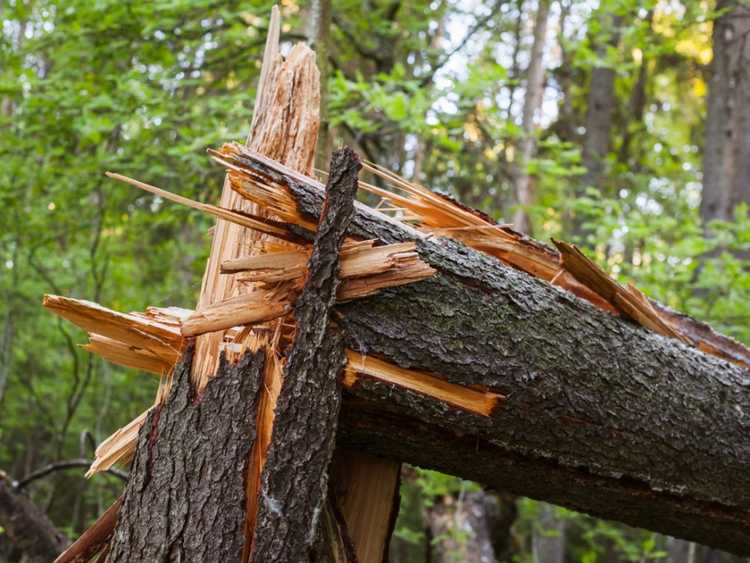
{"x": 295, "y": 476}
{"x": 185, "y": 500}
{"x": 601, "y": 415}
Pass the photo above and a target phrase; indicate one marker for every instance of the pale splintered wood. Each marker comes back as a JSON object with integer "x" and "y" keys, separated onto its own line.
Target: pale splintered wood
{"x": 366, "y": 489}
{"x": 630, "y": 300}
{"x": 272, "y": 379}
{"x": 480, "y": 402}
{"x": 234, "y": 217}
{"x": 126, "y": 355}
{"x": 158, "y": 339}
{"x": 442, "y": 215}
{"x": 119, "y": 447}
{"x": 285, "y": 127}
{"x": 356, "y": 262}
{"x": 242, "y": 309}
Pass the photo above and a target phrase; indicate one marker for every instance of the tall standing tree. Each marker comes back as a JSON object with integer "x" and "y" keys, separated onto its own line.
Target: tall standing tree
{"x": 531, "y": 104}
{"x": 601, "y": 103}
{"x": 726, "y": 160}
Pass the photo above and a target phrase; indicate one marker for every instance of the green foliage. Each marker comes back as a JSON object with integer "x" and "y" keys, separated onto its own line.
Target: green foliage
{"x": 143, "y": 88}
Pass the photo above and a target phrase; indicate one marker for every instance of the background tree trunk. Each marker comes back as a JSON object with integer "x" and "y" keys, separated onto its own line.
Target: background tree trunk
{"x": 531, "y": 105}
{"x": 601, "y": 104}
{"x": 465, "y": 528}
{"x": 549, "y": 537}
{"x": 726, "y": 161}
{"x": 318, "y": 33}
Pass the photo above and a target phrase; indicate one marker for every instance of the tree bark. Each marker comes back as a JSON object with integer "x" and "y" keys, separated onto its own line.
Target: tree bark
{"x": 604, "y": 416}
{"x": 185, "y": 500}
{"x": 295, "y": 477}
{"x": 726, "y": 160}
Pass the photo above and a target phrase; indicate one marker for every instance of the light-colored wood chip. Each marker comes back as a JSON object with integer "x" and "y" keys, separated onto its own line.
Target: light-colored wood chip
{"x": 159, "y": 339}
{"x": 241, "y": 219}
{"x": 629, "y": 300}
{"x": 127, "y": 355}
{"x": 249, "y": 308}
{"x": 119, "y": 447}
{"x": 480, "y": 402}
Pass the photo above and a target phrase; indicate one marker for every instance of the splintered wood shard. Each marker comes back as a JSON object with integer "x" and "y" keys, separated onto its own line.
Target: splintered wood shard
{"x": 242, "y": 219}
{"x": 366, "y": 488}
{"x": 154, "y": 338}
{"x": 127, "y": 355}
{"x": 119, "y": 447}
{"x": 250, "y": 308}
{"x": 480, "y": 402}
{"x": 365, "y": 268}
{"x": 443, "y": 215}
{"x": 267, "y": 404}
{"x": 629, "y": 300}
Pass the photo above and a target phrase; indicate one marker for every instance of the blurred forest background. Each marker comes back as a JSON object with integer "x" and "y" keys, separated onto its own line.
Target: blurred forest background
{"x": 623, "y": 125}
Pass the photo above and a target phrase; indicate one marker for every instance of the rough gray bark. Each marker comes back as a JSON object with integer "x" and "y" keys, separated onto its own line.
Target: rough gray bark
{"x": 27, "y": 526}
{"x": 186, "y": 497}
{"x": 295, "y": 476}
{"x": 726, "y": 160}
{"x": 604, "y": 416}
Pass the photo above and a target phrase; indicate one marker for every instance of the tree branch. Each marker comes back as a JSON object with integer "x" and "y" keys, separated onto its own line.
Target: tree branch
{"x": 62, "y": 466}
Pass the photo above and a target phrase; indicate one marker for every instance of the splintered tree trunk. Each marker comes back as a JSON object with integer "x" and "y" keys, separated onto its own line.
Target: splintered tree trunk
{"x": 185, "y": 500}
{"x": 600, "y": 415}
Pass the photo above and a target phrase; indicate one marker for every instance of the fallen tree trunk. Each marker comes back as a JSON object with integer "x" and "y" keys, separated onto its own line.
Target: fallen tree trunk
{"x": 600, "y": 415}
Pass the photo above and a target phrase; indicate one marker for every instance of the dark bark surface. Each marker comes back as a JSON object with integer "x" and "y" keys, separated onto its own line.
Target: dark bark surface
{"x": 586, "y": 392}
{"x": 295, "y": 477}
{"x": 186, "y": 497}
{"x": 27, "y": 527}
{"x": 365, "y": 425}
